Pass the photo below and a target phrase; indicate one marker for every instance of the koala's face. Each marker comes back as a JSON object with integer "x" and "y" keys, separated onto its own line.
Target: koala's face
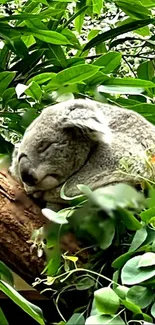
{"x": 50, "y": 152}
{"x": 58, "y": 143}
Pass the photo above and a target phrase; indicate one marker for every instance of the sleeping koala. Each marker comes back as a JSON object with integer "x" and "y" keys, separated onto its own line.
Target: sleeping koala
{"x": 83, "y": 141}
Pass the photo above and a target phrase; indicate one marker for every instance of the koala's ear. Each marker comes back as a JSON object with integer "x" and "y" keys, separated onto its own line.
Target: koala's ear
{"x": 91, "y": 121}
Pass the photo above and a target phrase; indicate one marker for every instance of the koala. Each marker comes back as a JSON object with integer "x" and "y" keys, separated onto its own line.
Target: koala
{"x": 83, "y": 141}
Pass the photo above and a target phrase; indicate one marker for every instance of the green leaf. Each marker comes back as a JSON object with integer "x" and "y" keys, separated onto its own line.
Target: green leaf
{"x": 151, "y": 199}
{"x": 33, "y": 16}
{"x": 144, "y": 31}
{"x": 5, "y": 146}
{"x": 85, "y": 190}
{"x": 75, "y": 15}
{"x": 85, "y": 283}
{"x": 34, "y": 91}
{"x": 29, "y": 62}
{"x": 133, "y": 82}
{"x": 92, "y": 34}
{"x": 72, "y": 38}
{"x": 153, "y": 310}
{"x": 106, "y": 301}
{"x": 45, "y": 35}
{"x": 19, "y": 47}
{"x": 57, "y": 53}
{"x": 73, "y": 75}
{"x": 135, "y": 10}
{"x": 120, "y": 89}
{"x": 115, "y": 279}
{"x": 109, "y": 62}
{"x": 105, "y": 240}
{"x": 42, "y": 78}
{"x": 96, "y": 79}
{"x": 76, "y": 318}
{"x": 147, "y": 259}
{"x": 3, "y": 320}
{"x": 4, "y": 52}
{"x": 28, "y": 40}
{"x": 121, "y": 291}
{"x": 146, "y": 70}
{"x": 5, "y": 274}
{"x": 5, "y": 79}
{"x": 8, "y": 94}
{"x": 28, "y": 117}
{"x": 125, "y": 86}
{"x": 104, "y": 319}
{"x": 117, "y": 196}
{"x": 141, "y": 296}
{"x": 146, "y": 215}
{"x": 148, "y": 3}
{"x": 129, "y": 220}
{"x": 80, "y": 18}
{"x": 97, "y": 6}
{"x": 132, "y": 274}
{"x": 31, "y": 309}
{"x": 138, "y": 239}
{"x": 54, "y": 217}
{"x": 147, "y": 318}
{"x": 54, "y": 261}
{"x": 131, "y": 306}
{"x": 121, "y": 260}
{"x": 143, "y": 108}
{"x": 116, "y": 32}
{"x": 4, "y": 1}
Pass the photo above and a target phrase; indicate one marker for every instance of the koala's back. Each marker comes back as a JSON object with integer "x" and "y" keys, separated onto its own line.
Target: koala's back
{"x": 132, "y": 136}
{"x": 129, "y": 123}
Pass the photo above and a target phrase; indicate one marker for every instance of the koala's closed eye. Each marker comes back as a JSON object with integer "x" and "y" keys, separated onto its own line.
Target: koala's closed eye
{"x": 43, "y": 146}
{"x": 21, "y": 156}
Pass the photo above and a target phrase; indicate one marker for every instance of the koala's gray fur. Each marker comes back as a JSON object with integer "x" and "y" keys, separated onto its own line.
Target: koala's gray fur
{"x": 82, "y": 141}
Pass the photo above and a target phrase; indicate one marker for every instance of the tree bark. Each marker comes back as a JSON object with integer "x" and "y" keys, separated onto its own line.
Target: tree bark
{"x": 19, "y": 216}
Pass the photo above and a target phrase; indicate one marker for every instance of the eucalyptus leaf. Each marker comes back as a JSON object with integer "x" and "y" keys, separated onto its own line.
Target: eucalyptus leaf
{"x": 104, "y": 319}
{"x": 76, "y": 318}
{"x": 5, "y": 79}
{"x": 54, "y": 217}
{"x": 3, "y": 320}
{"x": 147, "y": 259}
{"x": 153, "y": 310}
{"x": 110, "y": 34}
{"x": 31, "y": 309}
{"x": 109, "y": 61}
{"x": 72, "y": 75}
{"x": 140, "y": 295}
{"x": 34, "y": 91}
{"x": 138, "y": 239}
{"x": 6, "y": 274}
{"x": 133, "y": 274}
{"x": 121, "y": 291}
{"x": 132, "y": 306}
{"x": 106, "y": 301}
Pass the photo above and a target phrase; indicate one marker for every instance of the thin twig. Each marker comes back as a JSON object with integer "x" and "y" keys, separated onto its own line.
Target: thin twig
{"x": 130, "y": 67}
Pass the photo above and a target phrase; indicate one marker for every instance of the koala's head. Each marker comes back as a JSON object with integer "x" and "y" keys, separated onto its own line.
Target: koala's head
{"x": 58, "y": 143}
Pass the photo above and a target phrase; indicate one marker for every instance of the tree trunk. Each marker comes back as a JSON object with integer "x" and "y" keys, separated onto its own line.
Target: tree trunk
{"x": 19, "y": 217}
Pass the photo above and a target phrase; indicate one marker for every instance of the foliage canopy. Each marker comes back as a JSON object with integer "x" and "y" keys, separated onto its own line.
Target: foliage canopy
{"x": 51, "y": 51}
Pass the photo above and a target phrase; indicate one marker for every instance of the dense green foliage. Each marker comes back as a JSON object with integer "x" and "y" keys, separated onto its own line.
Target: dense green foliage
{"x": 51, "y": 51}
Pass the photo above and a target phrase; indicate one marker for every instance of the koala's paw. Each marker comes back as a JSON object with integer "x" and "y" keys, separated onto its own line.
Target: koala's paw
{"x": 33, "y": 191}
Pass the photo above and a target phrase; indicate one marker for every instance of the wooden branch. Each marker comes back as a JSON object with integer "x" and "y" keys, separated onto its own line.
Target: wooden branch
{"x": 19, "y": 216}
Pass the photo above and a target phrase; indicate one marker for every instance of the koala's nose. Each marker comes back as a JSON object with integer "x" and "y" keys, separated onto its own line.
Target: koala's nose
{"x": 28, "y": 177}
{"x": 27, "y": 173}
